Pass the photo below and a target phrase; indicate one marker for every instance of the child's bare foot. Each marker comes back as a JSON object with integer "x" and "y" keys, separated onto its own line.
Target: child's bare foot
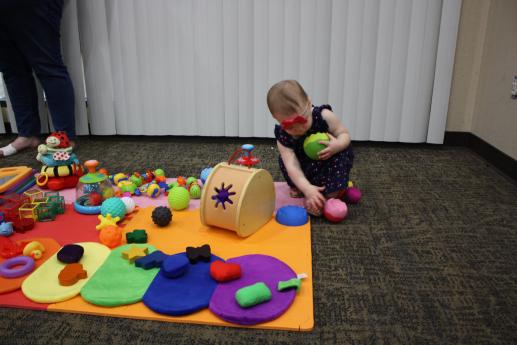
{"x": 295, "y": 193}
{"x": 19, "y": 144}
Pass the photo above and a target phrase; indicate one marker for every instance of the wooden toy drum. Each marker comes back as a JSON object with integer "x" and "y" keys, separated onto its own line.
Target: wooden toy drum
{"x": 252, "y": 204}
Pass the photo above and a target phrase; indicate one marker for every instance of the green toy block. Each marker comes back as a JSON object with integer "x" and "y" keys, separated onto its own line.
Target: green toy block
{"x": 57, "y": 203}
{"x": 136, "y": 236}
{"x": 252, "y": 295}
{"x": 294, "y": 283}
{"x": 45, "y": 213}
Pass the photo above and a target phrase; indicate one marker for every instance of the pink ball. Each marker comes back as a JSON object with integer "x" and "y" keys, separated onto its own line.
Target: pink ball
{"x": 353, "y": 195}
{"x": 335, "y": 210}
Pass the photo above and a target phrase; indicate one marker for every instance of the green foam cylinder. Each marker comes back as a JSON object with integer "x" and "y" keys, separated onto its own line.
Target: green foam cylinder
{"x": 252, "y": 295}
{"x": 294, "y": 283}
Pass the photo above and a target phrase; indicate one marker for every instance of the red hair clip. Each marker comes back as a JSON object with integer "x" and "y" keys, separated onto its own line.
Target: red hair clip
{"x": 290, "y": 122}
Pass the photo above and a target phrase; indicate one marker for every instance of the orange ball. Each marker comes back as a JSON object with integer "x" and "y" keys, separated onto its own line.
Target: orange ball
{"x": 181, "y": 181}
{"x": 111, "y": 236}
{"x": 103, "y": 171}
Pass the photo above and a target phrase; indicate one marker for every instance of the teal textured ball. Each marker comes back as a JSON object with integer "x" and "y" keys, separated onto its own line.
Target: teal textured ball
{"x": 113, "y": 206}
{"x": 178, "y": 198}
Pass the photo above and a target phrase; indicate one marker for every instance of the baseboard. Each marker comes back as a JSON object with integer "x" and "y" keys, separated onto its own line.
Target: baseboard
{"x": 494, "y": 156}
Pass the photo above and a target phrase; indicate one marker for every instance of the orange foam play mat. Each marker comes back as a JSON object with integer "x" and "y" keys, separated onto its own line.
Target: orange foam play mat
{"x": 291, "y": 245}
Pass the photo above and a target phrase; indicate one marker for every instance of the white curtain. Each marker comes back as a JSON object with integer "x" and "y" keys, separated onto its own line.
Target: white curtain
{"x": 203, "y": 67}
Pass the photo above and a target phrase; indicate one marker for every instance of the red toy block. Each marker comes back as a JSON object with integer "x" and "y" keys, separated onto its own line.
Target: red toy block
{"x": 71, "y": 274}
{"x": 223, "y": 272}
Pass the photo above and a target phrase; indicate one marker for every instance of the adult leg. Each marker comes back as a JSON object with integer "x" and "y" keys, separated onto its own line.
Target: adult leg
{"x": 21, "y": 88}
{"x": 38, "y": 38}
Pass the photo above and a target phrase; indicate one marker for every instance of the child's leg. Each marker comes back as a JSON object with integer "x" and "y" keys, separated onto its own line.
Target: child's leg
{"x": 294, "y": 192}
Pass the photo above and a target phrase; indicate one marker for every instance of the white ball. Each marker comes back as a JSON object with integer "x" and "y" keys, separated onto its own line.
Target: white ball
{"x": 130, "y": 204}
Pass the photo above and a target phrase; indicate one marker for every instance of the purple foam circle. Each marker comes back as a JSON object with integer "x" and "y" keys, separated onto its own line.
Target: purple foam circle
{"x": 17, "y": 266}
{"x": 255, "y": 268}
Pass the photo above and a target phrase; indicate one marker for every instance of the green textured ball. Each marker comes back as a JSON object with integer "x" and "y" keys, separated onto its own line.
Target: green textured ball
{"x": 113, "y": 206}
{"x": 311, "y": 144}
{"x": 195, "y": 191}
{"x": 178, "y": 198}
{"x": 159, "y": 172}
{"x": 190, "y": 180}
{"x": 173, "y": 185}
{"x": 137, "y": 180}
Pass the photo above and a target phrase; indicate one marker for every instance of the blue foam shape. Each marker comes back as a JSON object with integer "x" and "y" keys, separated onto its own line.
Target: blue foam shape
{"x": 155, "y": 259}
{"x": 175, "y": 266}
{"x": 183, "y": 295}
{"x": 291, "y": 215}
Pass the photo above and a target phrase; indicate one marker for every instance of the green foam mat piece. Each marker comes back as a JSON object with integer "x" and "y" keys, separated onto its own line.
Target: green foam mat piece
{"x": 119, "y": 282}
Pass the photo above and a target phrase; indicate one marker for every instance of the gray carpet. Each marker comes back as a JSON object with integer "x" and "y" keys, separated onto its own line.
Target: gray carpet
{"x": 428, "y": 257}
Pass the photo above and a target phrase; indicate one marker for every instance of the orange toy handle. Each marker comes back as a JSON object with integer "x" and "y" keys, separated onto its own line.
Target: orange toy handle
{"x": 91, "y": 165}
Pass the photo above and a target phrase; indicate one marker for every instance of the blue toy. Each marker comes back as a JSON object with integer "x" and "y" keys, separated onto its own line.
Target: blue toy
{"x": 6, "y": 229}
{"x": 292, "y": 215}
{"x": 204, "y": 174}
{"x": 175, "y": 266}
{"x": 155, "y": 259}
{"x": 185, "y": 294}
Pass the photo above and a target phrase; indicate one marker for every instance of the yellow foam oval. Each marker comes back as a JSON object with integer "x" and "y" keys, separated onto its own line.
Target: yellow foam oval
{"x": 43, "y": 286}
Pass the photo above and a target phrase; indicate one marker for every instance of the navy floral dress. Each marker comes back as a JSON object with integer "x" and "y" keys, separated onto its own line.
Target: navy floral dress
{"x": 332, "y": 173}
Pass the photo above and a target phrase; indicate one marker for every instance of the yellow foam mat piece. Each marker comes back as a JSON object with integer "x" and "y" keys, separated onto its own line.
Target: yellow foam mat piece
{"x": 289, "y": 244}
{"x": 42, "y": 286}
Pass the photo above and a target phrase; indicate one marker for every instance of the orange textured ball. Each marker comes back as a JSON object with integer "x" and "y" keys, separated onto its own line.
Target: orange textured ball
{"x": 111, "y": 236}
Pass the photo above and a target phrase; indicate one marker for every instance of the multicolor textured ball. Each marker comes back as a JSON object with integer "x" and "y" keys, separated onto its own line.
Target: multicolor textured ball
{"x": 204, "y": 174}
{"x": 335, "y": 210}
{"x": 195, "y": 191}
{"x": 153, "y": 190}
{"x": 113, "y": 206}
{"x": 190, "y": 180}
{"x": 311, "y": 144}
{"x": 161, "y": 216}
{"x": 130, "y": 204}
{"x": 178, "y": 198}
{"x": 117, "y": 178}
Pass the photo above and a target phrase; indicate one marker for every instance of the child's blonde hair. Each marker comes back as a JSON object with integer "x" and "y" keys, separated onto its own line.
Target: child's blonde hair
{"x": 287, "y": 97}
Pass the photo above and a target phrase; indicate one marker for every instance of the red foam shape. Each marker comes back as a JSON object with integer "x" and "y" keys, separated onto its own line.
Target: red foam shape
{"x": 223, "y": 272}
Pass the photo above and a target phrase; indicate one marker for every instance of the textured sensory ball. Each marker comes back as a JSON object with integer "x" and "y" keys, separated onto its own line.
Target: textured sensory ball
{"x": 195, "y": 191}
{"x": 113, "y": 206}
{"x": 153, "y": 190}
{"x": 353, "y": 195}
{"x": 159, "y": 172}
{"x": 161, "y": 216}
{"x": 311, "y": 144}
{"x": 130, "y": 204}
{"x": 204, "y": 174}
{"x": 190, "y": 180}
{"x": 111, "y": 236}
{"x": 335, "y": 210}
{"x": 178, "y": 198}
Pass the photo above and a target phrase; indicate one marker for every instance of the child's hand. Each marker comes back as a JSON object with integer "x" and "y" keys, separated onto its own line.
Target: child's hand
{"x": 333, "y": 147}
{"x": 313, "y": 197}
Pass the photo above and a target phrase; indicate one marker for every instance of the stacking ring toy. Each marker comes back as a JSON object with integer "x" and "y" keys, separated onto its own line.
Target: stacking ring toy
{"x": 17, "y": 267}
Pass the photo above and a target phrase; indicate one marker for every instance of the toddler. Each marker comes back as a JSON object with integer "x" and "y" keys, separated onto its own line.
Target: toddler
{"x": 316, "y": 180}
